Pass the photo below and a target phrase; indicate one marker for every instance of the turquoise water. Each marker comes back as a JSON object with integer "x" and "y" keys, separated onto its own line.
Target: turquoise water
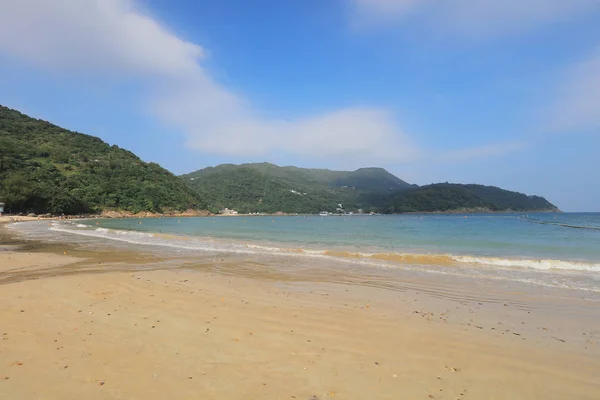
{"x": 477, "y": 235}
{"x": 561, "y": 249}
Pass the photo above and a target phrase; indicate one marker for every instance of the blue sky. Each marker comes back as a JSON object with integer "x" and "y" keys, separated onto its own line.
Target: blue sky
{"x": 504, "y": 93}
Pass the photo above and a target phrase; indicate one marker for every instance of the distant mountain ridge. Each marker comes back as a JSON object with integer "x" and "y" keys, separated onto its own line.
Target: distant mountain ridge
{"x": 268, "y": 188}
{"x": 453, "y": 197}
{"x": 45, "y": 168}
{"x": 372, "y": 178}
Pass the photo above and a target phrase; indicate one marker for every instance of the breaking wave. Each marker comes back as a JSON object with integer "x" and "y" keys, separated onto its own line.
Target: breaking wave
{"x": 193, "y": 243}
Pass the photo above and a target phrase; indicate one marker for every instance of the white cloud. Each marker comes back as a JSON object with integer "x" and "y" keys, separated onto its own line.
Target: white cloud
{"x": 362, "y": 133}
{"x": 115, "y": 37}
{"x": 383, "y": 11}
{"x": 470, "y": 17}
{"x": 95, "y": 35}
{"x": 577, "y": 106}
{"x": 482, "y": 152}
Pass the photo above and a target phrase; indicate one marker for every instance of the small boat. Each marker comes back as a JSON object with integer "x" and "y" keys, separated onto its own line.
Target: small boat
{"x": 323, "y": 213}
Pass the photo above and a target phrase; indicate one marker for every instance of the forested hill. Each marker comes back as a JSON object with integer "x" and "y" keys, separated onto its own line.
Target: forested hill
{"x": 45, "y": 168}
{"x": 447, "y": 197}
{"x": 269, "y": 188}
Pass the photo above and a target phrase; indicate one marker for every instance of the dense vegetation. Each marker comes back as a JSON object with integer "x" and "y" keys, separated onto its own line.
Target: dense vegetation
{"x": 269, "y": 188}
{"x": 44, "y": 168}
{"x": 446, "y": 197}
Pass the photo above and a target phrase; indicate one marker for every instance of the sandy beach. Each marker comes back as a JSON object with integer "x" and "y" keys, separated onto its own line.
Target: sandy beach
{"x": 100, "y": 325}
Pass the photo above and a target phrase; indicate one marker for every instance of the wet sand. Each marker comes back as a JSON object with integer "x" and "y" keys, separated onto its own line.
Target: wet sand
{"x": 127, "y": 325}
{"x": 9, "y": 218}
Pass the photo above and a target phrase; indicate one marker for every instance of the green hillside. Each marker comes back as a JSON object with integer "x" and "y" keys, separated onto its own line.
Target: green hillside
{"x": 45, "y": 168}
{"x": 269, "y": 188}
{"x": 446, "y": 197}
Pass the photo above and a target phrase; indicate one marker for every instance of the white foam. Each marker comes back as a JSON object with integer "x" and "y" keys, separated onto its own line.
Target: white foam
{"x": 545, "y": 264}
{"x": 523, "y": 270}
{"x": 198, "y": 243}
{"x": 208, "y": 244}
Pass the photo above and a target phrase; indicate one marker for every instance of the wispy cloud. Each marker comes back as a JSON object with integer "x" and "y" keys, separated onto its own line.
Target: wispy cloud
{"x": 482, "y": 152}
{"x": 114, "y": 37}
{"x": 96, "y": 36}
{"x": 577, "y": 104}
{"x": 367, "y": 12}
{"x": 470, "y": 17}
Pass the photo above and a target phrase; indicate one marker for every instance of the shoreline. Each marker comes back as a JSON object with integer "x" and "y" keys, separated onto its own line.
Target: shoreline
{"x": 487, "y": 266}
{"x": 103, "y": 324}
{"x": 205, "y": 213}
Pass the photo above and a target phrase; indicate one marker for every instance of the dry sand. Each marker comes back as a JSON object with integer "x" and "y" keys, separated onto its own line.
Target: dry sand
{"x": 201, "y": 334}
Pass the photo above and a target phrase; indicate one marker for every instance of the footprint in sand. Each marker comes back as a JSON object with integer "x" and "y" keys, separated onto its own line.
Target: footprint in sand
{"x": 451, "y": 369}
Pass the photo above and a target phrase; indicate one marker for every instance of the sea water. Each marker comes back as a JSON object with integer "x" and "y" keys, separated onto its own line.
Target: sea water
{"x": 552, "y": 249}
